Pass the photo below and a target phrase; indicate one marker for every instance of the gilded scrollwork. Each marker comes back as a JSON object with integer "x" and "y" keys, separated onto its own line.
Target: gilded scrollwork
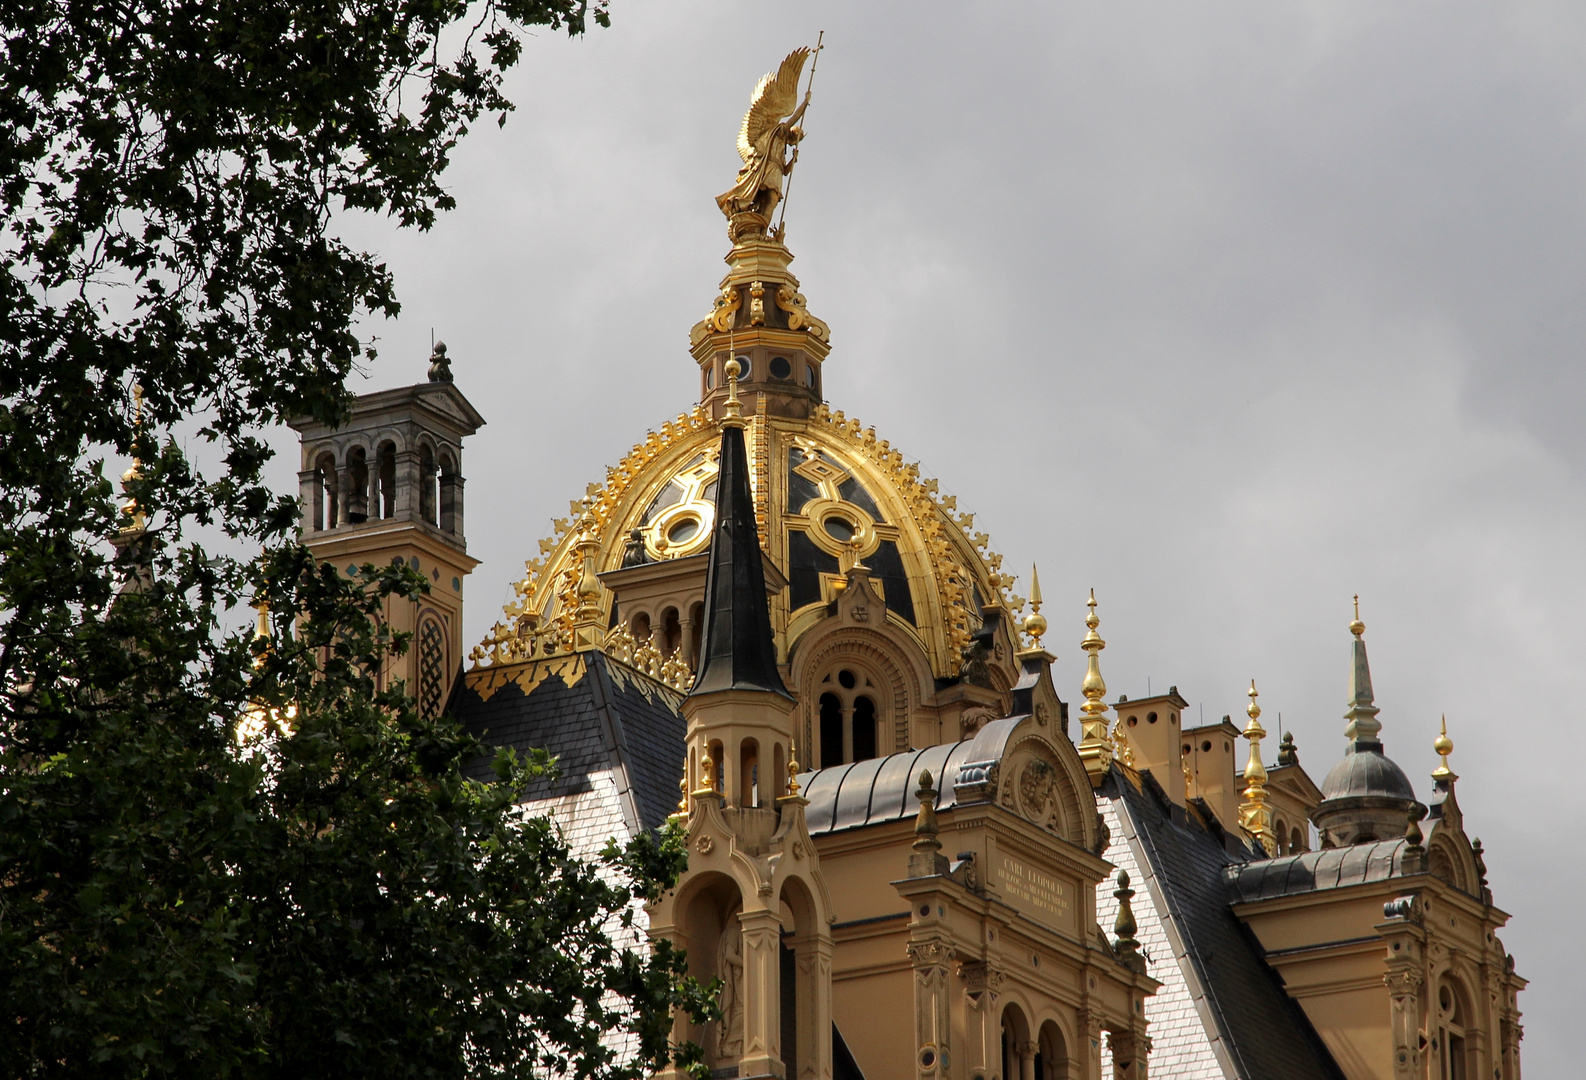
{"x": 725, "y": 311}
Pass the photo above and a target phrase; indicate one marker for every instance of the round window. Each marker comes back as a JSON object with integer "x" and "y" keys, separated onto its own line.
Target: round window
{"x": 746, "y": 368}
{"x": 809, "y": 377}
{"x": 682, "y": 531}
{"x": 847, "y": 679}
{"x": 780, "y": 368}
{"x": 839, "y": 528}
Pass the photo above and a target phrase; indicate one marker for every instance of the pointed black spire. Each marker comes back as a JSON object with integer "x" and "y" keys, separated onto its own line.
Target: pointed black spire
{"x": 738, "y": 651}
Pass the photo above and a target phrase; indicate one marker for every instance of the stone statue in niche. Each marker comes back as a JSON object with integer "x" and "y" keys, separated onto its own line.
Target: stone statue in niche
{"x": 729, "y": 968}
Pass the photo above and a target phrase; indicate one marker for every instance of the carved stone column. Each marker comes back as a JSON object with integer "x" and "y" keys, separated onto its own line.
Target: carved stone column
{"x": 407, "y": 485}
{"x": 814, "y": 1005}
{"x": 1404, "y": 996}
{"x": 1026, "y": 1054}
{"x": 762, "y": 978}
{"x": 932, "y": 1009}
{"x": 982, "y": 988}
{"x": 1130, "y": 1051}
{"x": 1090, "y": 1051}
{"x": 310, "y": 499}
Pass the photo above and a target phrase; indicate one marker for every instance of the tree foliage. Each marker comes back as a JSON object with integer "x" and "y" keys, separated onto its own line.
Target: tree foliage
{"x": 332, "y": 896}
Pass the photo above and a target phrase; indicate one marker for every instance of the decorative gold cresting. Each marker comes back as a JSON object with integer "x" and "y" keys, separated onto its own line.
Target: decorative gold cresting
{"x": 1095, "y": 744}
{"x": 1255, "y": 816}
{"x": 1444, "y": 747}
{"x": 1035, "y": 622}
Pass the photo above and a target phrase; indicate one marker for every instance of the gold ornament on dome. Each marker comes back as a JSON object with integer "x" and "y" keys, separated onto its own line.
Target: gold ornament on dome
{"x": 769, "y": 132}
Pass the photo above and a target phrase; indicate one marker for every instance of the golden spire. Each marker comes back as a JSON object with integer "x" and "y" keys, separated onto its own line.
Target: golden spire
{"x": 732, "y": 413}
{"x": 136, "y": 520}
{"x": 682, "y": 802}
{"x": 1095, "y": 744}
{"x": 1035, "y": 622}
{"x": 1444, "y": 747}
{"x": 707, "y": 778}
{"x": 792, "y": 770}
{"x": 1255, "y": 816}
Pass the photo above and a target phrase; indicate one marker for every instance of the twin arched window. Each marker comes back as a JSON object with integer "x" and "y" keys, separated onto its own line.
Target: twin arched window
{"x": 849, "y": 722}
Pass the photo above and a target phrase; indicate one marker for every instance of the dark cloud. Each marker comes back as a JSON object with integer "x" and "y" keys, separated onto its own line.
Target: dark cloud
{"x": 1229, "y": 310}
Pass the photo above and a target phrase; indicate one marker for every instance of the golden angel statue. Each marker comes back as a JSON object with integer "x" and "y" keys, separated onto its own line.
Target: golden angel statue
{"x": 763, "y": 142}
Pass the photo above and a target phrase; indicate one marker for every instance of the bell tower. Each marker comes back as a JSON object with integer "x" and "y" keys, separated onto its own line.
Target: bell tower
{"x": 387, "y": 487}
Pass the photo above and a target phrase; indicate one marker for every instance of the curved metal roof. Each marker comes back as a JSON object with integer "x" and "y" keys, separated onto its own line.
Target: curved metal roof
{"x": 882, "y": 789}
{"x": 1330, "y": 868}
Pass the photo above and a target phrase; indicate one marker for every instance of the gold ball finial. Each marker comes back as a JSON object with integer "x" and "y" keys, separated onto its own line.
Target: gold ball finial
{"x": 1092, "y": 620}
{"x": 792, "y": 769}
{"x": 1357, "y": 627}
{"x": 732, "y": 412}
{"x": 1035, "y": 622}
{"x": 1253, "y": 710}
{"x": 1444, "y": 747}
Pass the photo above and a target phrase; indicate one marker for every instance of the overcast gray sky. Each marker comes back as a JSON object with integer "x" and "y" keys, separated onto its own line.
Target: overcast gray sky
{"x": 1229, "y": 310}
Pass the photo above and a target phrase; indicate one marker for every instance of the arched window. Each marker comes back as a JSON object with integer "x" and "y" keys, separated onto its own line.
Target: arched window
{"x": 850, "y": 720}
{"x": 451, "y": 491}
{"x": 1452, "y": 1053}
{"x": 427, "y": 485}
{"x": 1297, "y": 840}
{"x": 831, "y": 731}
{"x": 385, "y": 472}
{"x": 671, "y": 632}
{"x": 864, "y": 728}
{"x": 1281, "y": 832}
{"x": 639, "y": 626}
{"x": 327, "y": 488}
{"x": 357, "y": 486}
{"x": 749, "y": 773}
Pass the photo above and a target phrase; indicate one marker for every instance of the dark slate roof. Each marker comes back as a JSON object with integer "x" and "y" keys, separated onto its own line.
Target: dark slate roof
{"x": 882, "y": 789}
{"x": 611, "y": 718}
{"x": 1365, "y": 770}
{"x": 1308, "y": 871}
{"x": 1258, "y": 1028}
{"x": 738, "y": 649}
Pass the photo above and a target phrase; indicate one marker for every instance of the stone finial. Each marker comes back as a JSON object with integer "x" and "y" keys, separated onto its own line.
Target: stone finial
{"x": 927, "y": 860}
{"x": 1363, "y": 725}
{"x": 925, "y": 823}
{"x": 1287, "y": 753}
{"x": 1414, "y": 860}
{"x": 440, "y": 366}
{"x": 1127, "y": 946}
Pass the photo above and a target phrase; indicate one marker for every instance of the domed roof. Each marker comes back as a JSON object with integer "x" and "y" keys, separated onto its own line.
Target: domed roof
{"x": 827, "y": 490}
{"x": 1366, "y": 771}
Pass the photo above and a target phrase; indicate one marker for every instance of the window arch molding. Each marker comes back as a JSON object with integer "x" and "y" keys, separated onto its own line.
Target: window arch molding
{"x": 900, "y": 677}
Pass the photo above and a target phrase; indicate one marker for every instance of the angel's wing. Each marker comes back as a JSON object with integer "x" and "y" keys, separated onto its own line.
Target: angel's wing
{"x": 774, "y": 97}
